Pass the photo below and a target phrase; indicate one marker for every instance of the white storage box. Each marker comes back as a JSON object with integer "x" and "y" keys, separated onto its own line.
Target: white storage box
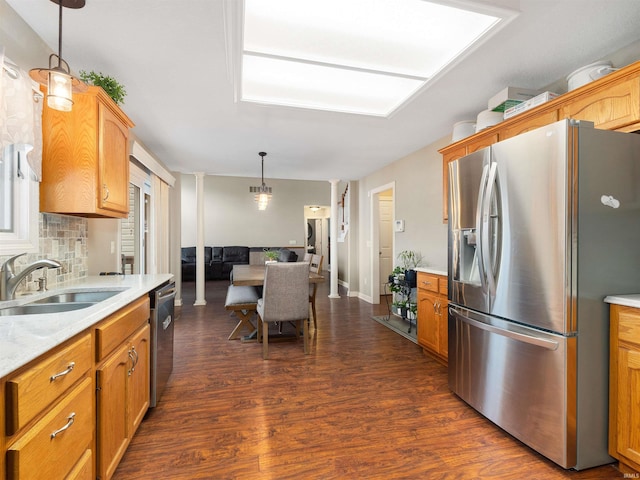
{"x": 509, "y": 97}
{"x": 529, "y": 104}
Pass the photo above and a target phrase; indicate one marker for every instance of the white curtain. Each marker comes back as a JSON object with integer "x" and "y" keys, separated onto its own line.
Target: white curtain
{"x": 20, "y": 115}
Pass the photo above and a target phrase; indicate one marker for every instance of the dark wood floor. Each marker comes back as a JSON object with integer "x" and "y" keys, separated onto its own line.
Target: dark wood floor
{"x": 366, "y": 404}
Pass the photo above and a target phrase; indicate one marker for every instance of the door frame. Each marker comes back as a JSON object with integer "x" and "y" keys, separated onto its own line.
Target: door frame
{"x": 374, "y": 240}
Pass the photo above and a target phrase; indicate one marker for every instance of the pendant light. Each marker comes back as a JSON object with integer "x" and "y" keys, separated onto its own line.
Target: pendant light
{"x": 262, "y": 193}
{"x": 58, "y": 79}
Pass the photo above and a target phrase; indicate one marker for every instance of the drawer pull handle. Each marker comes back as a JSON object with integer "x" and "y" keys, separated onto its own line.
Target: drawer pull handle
{"x": 426, "y": 283}
{"x": 70, "y": 420}
{"x": 69, "y": 369}
{"x": 133, "y": 363}
{"x": 106, "y": 192}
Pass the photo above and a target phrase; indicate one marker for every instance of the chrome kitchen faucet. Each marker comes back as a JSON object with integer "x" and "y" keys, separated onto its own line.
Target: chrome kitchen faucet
{"x": 9, "y": 281}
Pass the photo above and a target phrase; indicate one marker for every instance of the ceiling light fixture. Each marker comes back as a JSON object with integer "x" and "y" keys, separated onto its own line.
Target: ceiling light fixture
{"x": 58, "y": 79}
{"x": 262, "y": 193}
{"x": 365, "y": 57}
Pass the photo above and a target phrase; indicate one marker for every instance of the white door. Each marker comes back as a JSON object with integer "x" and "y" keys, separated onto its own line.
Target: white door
{"x": 385, "y": 239}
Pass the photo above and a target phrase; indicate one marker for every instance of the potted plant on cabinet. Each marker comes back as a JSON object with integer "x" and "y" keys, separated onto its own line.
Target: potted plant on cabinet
{"x": 110, "y": 85}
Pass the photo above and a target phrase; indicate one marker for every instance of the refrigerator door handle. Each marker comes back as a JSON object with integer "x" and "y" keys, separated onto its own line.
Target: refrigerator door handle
{"x": 521, "y": 337}
{"x": 480, "y": 229}
{"x": 485, "y": 237}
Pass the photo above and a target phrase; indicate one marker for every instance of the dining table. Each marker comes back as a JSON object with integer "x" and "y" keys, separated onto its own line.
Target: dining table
{"x": 253, "y": 275}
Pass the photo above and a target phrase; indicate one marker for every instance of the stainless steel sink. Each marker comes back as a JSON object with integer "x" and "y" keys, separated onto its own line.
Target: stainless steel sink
{"x": 39, "y": 308}
{"x": 86, "y": 296}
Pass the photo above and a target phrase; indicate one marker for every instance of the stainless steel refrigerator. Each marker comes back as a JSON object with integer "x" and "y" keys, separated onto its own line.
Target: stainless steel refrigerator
{"x": 542, "y": 227}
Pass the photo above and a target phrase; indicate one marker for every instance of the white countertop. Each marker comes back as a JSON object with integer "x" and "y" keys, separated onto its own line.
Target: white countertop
{"x": 433, "y": 270}
{"x": 26, "y": 337}
{"x": 625, "y": 300}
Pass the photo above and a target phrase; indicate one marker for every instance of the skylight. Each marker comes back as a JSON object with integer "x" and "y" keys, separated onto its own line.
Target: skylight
{"x": 357, "y": 56}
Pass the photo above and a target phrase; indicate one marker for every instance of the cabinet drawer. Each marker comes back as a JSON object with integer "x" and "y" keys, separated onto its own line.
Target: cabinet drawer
{"x": 629, "y": 325}
{"x": 427, "y": 282}
{"x": 37, "y": 454}
{"x": 30, "y": 392}
{"x": 120, "y": 326}
{"x": 83, "y": 469}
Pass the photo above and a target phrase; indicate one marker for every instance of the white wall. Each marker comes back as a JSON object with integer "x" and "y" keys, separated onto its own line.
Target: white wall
{"x": 418, "y": 201}
{"x": 232, "y": 216}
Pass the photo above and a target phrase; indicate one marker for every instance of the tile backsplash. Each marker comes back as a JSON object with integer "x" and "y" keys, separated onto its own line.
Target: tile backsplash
{"x": 62, "y": 238}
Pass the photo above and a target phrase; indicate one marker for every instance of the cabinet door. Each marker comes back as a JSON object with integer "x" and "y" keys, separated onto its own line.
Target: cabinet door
{"x": 113, "y": 148}
{"x": 628, "y": 417}
{"x": 443, "y": 327}
{"x": 140, "y": 378}
{"x": 427, "y": 333}
{"x": 609, "y": 107}
{"x": 114, "y": 431}
{"x": 531, "y": 123}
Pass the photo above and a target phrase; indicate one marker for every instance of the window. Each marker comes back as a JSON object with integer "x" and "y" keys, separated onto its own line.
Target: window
{"x": 18, "y": 202}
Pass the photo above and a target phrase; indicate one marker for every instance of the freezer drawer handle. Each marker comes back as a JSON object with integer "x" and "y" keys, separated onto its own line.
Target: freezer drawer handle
{"x": 540, "y": 342}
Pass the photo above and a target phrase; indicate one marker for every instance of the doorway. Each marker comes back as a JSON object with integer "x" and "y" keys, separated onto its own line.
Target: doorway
{"x": 382, "y": 238}
{"x": 317, "y": 231}
{"x": 134, "y": 230}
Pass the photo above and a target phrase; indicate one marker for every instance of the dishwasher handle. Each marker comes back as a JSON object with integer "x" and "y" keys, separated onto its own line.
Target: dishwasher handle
{"x": 166, "y": 294}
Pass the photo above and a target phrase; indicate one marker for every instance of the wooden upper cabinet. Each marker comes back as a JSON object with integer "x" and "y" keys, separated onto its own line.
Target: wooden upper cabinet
{"x": 611, "y": 106}
{"x": 85, "y": 159}
{"x": 529, "y": 123}
{"x": 611, "y": 103}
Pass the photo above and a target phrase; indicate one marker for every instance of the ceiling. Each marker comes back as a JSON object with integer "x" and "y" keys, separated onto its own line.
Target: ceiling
{"x": 176, "y": 60}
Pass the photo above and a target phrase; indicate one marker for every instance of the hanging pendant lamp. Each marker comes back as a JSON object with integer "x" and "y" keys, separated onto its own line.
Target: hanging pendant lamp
{"x": 262, "y": 193}
{"x": 58, "y": 79}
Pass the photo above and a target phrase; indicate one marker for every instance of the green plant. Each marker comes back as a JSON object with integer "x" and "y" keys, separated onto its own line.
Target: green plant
{"x": 393, "y": 286}
{"x": 409, "y": 259}
{"x": 271, "y": 255}
{"x": 109, "y": 84}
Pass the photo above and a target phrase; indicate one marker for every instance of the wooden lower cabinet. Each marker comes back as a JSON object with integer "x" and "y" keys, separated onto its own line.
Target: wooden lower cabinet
{"x": 122, "y": 399}
{"x": 433, "y": 317}
{"x": 71, "y": 413}
{"x": 624, "y": 387}
{"x": 58, "y": 441}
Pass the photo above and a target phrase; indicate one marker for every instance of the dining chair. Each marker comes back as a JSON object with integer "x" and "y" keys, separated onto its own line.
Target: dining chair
{"x": 315, "y": 266}
{"x": 285, "y": 298}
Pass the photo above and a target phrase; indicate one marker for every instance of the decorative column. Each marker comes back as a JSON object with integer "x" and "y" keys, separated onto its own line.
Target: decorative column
{"x": 333, "y": 243}
{"x": 200, "y": 300}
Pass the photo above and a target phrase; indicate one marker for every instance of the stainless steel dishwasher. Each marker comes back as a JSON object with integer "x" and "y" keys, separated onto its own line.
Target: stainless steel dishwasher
{"x": 162, "y": 316}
